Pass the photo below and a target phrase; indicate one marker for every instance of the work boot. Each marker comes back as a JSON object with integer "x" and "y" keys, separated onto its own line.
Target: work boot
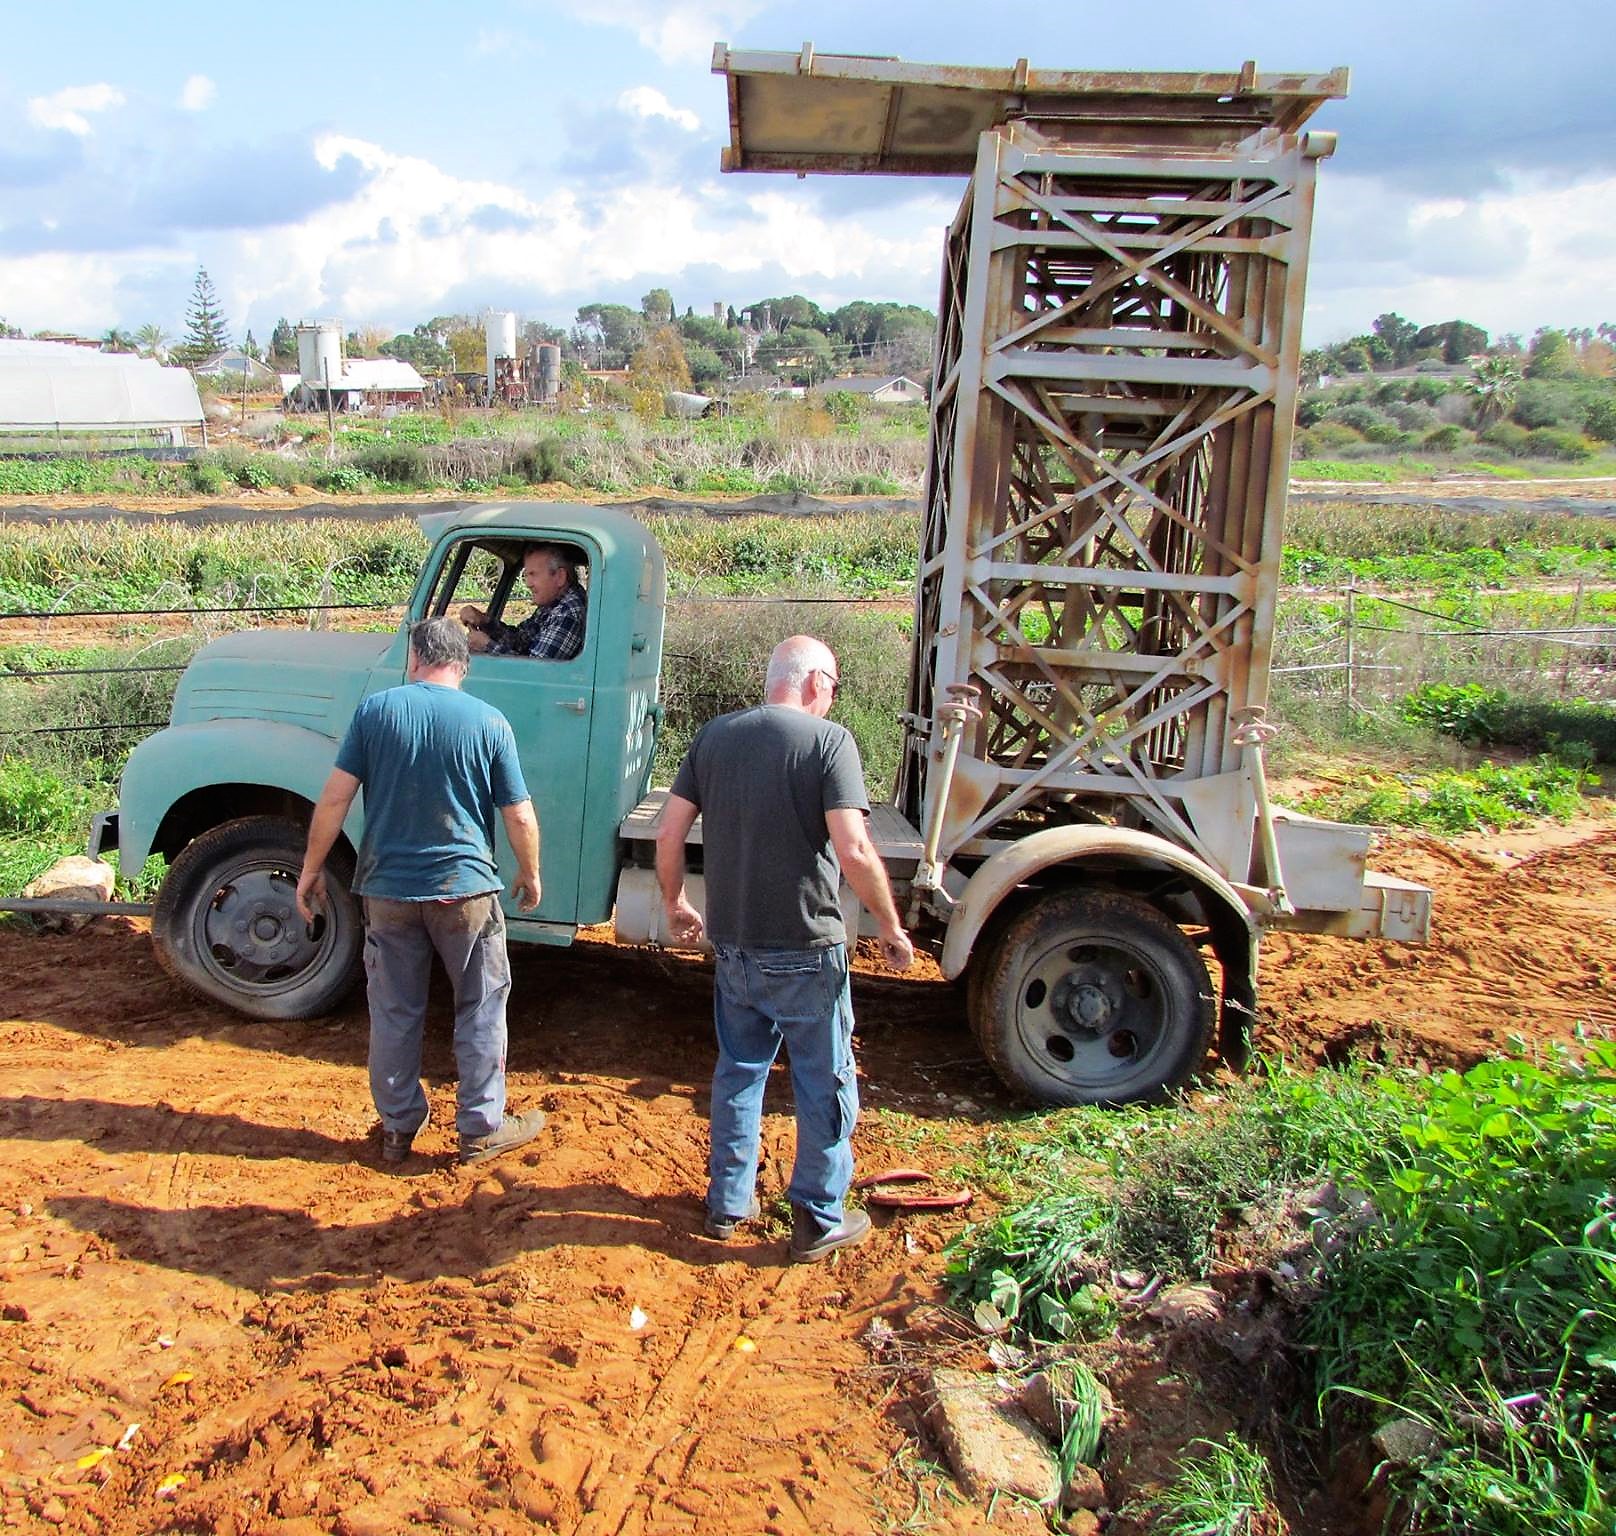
{"x": 723, "y": 1227}
{"x": 396, "y": 1144}
{"x": 811, "y": 1241}
{"x": 513, "y": 1131}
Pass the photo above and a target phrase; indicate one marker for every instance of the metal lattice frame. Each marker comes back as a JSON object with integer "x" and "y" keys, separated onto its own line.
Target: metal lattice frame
{"x": 1114, "y": 388}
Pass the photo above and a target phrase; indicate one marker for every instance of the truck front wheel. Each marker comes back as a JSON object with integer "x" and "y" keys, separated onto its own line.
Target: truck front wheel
{"x": 1091, "y": 997}
{"x": 226, "y": 923}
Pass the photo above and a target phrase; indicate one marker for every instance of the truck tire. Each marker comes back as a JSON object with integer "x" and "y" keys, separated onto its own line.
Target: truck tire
{"x": 1091, "y": 997}
{"x": 226, "y": 923}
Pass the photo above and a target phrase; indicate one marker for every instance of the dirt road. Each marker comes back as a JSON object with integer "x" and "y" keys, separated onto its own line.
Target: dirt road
{"x": 197, "y": 1238}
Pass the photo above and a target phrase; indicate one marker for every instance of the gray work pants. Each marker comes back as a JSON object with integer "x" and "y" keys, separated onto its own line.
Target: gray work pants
{"x": 469, "y": 937}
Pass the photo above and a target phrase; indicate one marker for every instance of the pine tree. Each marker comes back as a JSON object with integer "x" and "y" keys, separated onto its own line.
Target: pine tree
{"x": 283, "y": 344}
{"x": 206, "y": 332}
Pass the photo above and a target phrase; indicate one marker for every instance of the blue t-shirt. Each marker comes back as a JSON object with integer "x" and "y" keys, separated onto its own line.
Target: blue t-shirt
{"x": 437, "y": 766}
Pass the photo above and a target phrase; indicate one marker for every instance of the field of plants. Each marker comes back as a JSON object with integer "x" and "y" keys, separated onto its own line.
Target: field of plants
{"x": 1408, "y": 1247}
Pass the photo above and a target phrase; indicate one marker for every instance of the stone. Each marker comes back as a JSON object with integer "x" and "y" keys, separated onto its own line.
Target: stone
{"x": 371, "y": 1518}
{"x": 1044, "y": 1397}
{"x": 73, "y": 878}
{"x": 456, "y": 1516}
{"x": 1406, "y": 1442}
{"x": 1081, "y": 1522}
{"x": 990, "y": 1443}
{"x": 1180, "y": 1306}
{"x": 53, "y": 1511}
{"x": 1084, "y": 1489}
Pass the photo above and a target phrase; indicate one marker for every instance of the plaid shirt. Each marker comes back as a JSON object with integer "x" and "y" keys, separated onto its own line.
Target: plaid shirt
{"x": 554, "y": 632}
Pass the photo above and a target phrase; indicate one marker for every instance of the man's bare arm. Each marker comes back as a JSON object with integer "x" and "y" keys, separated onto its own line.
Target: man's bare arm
{"x": 865, "y": 872}
{"x": 522, "y": 828}
{"x": 324, "y": 830}
{"x": 684, "y": 921}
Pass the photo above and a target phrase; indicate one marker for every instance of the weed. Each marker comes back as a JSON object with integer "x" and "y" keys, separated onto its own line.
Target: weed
{"x": 1489, "y": 796}
{"x": 1223, "y": 1488}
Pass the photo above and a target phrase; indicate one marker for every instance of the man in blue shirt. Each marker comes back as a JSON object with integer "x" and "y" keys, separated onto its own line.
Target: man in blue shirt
{"x": 435, "y": 765}
{"x": 554, "y": 631}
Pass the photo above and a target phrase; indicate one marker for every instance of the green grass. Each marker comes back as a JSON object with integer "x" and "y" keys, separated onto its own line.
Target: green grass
{"x": 1489, "y": 796}
{"x": 1481, "y": 716}
{"x": 1222, "y": 1488}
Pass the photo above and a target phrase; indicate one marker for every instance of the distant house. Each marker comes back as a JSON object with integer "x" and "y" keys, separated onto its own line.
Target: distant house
{"x": 894, "y": 389}
{"x": 364, "y": 382}
{"x": 52, "y": 391}
{"x": 233, "y": 364}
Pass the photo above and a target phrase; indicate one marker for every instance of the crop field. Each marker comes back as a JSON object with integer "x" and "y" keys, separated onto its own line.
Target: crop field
{"x": 1399, "y": 1223}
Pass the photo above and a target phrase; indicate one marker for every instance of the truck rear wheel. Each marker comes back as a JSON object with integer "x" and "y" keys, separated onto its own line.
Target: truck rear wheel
{"x": 1091, "y": 997}
{"x": 226, "y": 923}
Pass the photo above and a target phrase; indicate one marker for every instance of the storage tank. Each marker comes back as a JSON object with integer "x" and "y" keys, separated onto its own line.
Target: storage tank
{"x": 549, "y": 372}
{"x": 499, "y": 334}
{"x": 319, "y": 346}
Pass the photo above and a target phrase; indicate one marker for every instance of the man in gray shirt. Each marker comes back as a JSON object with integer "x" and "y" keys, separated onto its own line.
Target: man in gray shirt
{"x": 780, "y": 790}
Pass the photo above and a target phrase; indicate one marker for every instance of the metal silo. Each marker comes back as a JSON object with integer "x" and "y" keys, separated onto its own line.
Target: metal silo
{"x": 319, "y": 352}
{"x": 499, "y": 334}
{"x": 549, "y": 372}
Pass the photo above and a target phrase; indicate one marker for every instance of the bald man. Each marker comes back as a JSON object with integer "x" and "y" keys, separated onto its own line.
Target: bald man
{"x": 780, "y": 790}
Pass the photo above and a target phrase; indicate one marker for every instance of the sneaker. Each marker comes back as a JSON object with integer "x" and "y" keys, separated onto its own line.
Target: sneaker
{"x": 723, "y": 1227}
{"x": 810, "y": 1242}
{"x": 513, "y": 1131}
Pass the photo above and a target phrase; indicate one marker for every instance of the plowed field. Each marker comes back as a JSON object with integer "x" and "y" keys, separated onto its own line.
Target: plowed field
{"x": 196, "y": 1237}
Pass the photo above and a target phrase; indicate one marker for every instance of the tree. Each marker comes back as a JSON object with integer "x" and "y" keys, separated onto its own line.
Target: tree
{"x": 117, "y": 341}
{"x": 206, "y": 332}
{"x": 283, "y": 346}
{"x": 1455, "y": 339}
{"x": 657, "y": 307}
{"x": 1396, "y": 335}
{"x": 9, "y": 332}
{"x": 798, "y": 353}
{"x": 1494, "y": 384}
{"x": 421, "y": 349}
{"x": 251, "y": 348}
{"x": 1551, "y": 356}
{"x": 608, "y": 334}
{"x": 151, "y": 340}
{"x": 659, "y": 362}
{"x": 535, "y": 333}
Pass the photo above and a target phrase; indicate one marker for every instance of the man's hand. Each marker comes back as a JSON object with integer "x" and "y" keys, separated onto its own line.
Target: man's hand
{"x": 896, "y": 949}
{"x": 311, "y": 896}
{"x": 471, "y": 616}
{"x": 525, "y": 890}
{"x": 477, "y": 640}
{"x": 684, "y": 923}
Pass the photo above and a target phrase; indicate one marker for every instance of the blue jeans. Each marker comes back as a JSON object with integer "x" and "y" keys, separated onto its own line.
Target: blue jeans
{"x": 469, "y": 937}
{"x": 762, "y": 997}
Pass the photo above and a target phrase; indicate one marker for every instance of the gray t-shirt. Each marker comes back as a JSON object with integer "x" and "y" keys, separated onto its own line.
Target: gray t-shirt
{"x": 763, "y": 779}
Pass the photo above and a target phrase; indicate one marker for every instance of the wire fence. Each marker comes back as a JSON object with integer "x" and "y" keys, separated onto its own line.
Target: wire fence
{"x": 1359, "y": 652}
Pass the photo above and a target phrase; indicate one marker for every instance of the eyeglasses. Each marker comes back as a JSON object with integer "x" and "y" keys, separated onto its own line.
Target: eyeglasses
{"x": 834, "y": 681}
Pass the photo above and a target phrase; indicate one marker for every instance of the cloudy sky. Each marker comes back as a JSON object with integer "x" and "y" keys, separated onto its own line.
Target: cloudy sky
{"x": 386, "y": 162}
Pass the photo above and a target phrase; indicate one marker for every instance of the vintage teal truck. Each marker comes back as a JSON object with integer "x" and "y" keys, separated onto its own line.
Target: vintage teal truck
{"x": 1082, "y": 940}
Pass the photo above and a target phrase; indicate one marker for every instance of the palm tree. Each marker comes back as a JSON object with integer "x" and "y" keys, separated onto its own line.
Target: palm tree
{"x": 1495, "y": 384}
{"x": 152, "y": 341}
{"x": 117, "y": 341}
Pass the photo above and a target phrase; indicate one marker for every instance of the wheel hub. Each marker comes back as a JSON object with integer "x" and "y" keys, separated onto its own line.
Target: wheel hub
{"x": 1085, "y": 1001}
{"x": 253, "y": 930}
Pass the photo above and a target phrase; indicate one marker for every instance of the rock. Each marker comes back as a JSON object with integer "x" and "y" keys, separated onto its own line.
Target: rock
{"x": 1406, "y": 1442}
{"x": 989, "y": 1442}
{"x": 370, "y": 1518}
{"x": 73, "y": 878}
{"x": 1045, "y": 1396}
{"x": 456, "y": 1516}
{"x": 53, "y": 1511}
{"x": 1082, "y": 1522}
{"x": 14, "y": 1312}
{"x": 1084, "y": 1489}
{"x": 1183, "y": 1305}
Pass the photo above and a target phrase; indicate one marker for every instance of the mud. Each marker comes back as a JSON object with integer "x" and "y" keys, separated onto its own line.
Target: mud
{"x": 196, "y": 1237}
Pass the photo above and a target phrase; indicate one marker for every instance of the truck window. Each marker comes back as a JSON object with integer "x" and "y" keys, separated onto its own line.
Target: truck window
{"x": 483, "y": 583}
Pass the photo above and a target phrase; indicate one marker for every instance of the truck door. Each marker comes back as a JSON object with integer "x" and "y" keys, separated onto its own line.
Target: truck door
{"x": 550, "y": 705}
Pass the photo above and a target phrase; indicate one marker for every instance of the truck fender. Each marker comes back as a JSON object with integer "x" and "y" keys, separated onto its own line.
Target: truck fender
{"x": 1234, "y": 931}
{"x": 210, "y": 765}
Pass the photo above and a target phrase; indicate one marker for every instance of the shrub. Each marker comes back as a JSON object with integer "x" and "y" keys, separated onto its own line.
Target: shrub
{"x": 206, "y": 477}
{"x": 342, "y": 478}
{"x": 1547, "y": 403}
{"x": 1558, "y": 443}
{"x": 1488, "y": 717}
{"x": 1330, "y": 436}
{"x": 1599, "y": 417}
{"x": 538, "y": 462}
{"x": 1387, "y": 435}
{"x": 392, "y": 463}
{"x": 1444, "y": 439}
{"x": 1361, "y": 418}
{"x": 1508, "y": 436}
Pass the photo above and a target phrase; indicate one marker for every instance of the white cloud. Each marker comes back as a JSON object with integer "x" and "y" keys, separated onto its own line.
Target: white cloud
{"x": 1536, "y": 252}
{"x": 645, "y": 101}
{"x": 64, "y": 110}
{"x": 197, "y": 94}
{"x": 677, "y": 31}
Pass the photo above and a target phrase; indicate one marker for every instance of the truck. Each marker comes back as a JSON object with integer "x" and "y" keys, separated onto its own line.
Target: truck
{"x": 1080, "y": 830}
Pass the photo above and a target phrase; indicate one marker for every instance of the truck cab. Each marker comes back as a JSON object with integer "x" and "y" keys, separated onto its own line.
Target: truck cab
{"x": 225, "y": 792}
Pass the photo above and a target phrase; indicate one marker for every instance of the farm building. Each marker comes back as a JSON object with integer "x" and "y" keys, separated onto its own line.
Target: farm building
{"x": 894, "y": 389}
{"x": 50, "y": 391}
{"x": 232, "y": 364}
{"x": 352, "y": 383}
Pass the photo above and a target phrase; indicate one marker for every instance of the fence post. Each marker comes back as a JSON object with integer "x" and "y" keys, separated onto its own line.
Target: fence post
{"x": 1570, "y": 643}
{"x": 1352, "y": 643}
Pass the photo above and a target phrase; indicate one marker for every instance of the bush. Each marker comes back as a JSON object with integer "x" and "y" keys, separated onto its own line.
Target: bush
{"x": 1557, "y": 443}
{"x": 1331, "y": 436}
{"x": 206, "y": 477}
{"x": 539, "y": 462}
{"x": 1444, "y": 439}
{"x": 392, "y": 463}
{"x": 1488, "y": 717}
{"x": 342, "y": 478}
{"x": 1547, "y": 403}
{"x": 34, "y": 803}
{"x": 1361, "y": 418}
{"x": 1508, "y": 436}
{"x": 1387, "y": 435}
{"x": 1599, "y": 417}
